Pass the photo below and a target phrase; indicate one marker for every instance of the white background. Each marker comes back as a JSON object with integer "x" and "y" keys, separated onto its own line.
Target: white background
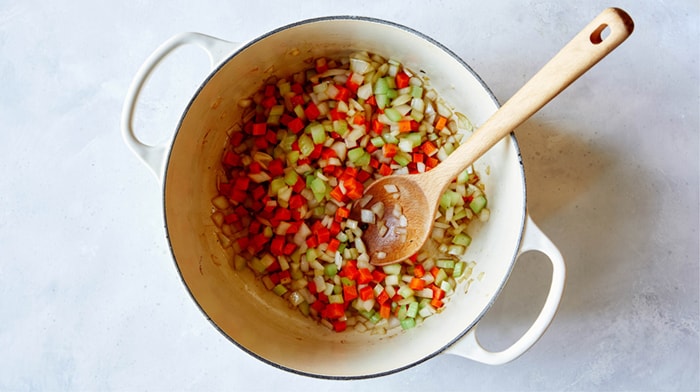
{"x": 90, "y": 298}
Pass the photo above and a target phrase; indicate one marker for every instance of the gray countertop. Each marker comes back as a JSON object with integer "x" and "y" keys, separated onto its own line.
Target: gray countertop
{"x": 91, "y": 299}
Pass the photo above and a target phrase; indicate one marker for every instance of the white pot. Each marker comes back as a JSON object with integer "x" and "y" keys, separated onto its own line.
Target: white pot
{"x": 257, "y": 320}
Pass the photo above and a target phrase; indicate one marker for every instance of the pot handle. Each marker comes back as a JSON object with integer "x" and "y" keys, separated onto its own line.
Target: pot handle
{"x": 154, "y": 155}
{"x": 469, "y": 346}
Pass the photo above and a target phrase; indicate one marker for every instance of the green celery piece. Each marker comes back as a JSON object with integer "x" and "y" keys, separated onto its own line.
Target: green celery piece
{"x": 408, "y": 323}
{"x": 463, "y": 177}
{"x": 340, "y": 127}
{"x": 291, "y": 177}
{"x": 392, "y": 114}
{"x": 381, "y": 87}
{"x": 382, "y": 100}
{"x": 377, "y": 141}
{"x": 276, "y": 185}
{"x": 412, "y": 310}
{"x": 462, "y": 239}
{"x": 459, "y": 269}
{"x": 415, "y": 137}
{"x": 445, "y": 263}
{"x": 306, "y": 145}
{"x": 279, "y": 290}
{"x": 330, "y": 270}
{"x": 356, "y": 154}
{"x": 477, "y": 204}
{"x": 318, "y": 132}
{"x": 403, "y": 158}
{"x": 392, "y": 269}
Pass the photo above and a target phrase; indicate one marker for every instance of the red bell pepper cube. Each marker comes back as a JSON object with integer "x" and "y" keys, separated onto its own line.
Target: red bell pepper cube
{"x": 259, "y": 129}
{"x": 366, "y": 293}
{"x": 333, "y": 311}
{"x": 275, "y": 167}
{"x": 312, "y": 111}
{"x": 340, "y": 326}
{"x": 390, "y": 150}
{"x": 385, "y": 310}
{"x": 402, "y": 80}
{"x": 383, "y": 297}
{"x": 416, "y": 284}
{"x": 349, "y": 292}
{"x": 333, "y": 245}
{"x": 321, "y": 65}
{"x": 296, "y": 125}
{"x": 378, "y": 276}
{"x": 364, "y": 276}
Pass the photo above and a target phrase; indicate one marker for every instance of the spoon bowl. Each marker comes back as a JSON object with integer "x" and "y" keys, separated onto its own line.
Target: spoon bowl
{"x": 419, "y": 194}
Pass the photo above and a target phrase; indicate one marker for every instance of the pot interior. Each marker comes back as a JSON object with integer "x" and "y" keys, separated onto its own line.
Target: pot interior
{"x": 256, "y": 319}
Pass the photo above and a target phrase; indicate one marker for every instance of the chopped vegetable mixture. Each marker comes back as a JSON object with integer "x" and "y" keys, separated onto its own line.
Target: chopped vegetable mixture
{"x": 305, "y": 149}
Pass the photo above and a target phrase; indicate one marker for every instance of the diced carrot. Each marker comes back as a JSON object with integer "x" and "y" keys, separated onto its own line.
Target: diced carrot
{"x": 364, "y": 276}
{"x": 349, "y": 292}
{"x": 419, "y": 271}
{"x": 366, "y": 293}
{"x": 405, "y": 126}
{"x": 440, "y": 123}
{"x": 416, "y": 284}
{"x": 340, "y": 326}
{"x": 385, "y": 169}
{"x": 383, "y": 297}
{"x": 402, "y": 80}
{"x": 385, "y": 310}
{"x": 390, "y": 150}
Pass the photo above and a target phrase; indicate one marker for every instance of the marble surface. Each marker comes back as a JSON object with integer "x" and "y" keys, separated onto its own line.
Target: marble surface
{"x": 89, "y": 295}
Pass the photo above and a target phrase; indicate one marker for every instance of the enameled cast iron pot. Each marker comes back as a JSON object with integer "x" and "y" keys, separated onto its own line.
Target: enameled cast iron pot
{"x": 255, "y": 319}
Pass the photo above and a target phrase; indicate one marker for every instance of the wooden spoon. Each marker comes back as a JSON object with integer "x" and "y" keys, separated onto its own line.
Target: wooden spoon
{"x": 419, "y": 194}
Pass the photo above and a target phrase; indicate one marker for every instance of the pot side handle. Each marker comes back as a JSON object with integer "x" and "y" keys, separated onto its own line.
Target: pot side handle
{"x": 533, "y": 240}
{"x": 154, "y": 155}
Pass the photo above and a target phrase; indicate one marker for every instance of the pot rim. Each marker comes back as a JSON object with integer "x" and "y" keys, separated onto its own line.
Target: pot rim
{"x": 409, "y": 30}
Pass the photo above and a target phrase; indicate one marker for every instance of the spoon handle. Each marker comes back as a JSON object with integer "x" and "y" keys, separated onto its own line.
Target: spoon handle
{"x": 595, "y": 41}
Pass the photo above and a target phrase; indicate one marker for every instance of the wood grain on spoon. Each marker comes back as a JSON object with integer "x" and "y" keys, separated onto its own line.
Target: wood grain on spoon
{"x": 420, "y": 193}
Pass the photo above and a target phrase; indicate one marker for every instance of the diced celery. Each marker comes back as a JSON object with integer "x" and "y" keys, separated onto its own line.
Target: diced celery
{"x": 336, "y": 299}
{"x": 477, "y": 204}
{"x": 356, "y": 154}
{"x": 408, "y": 323}
{"x": 401, "y": 313}
{"x": 306, "y": 145}
{"x": 279, "y": 290}
{"x": 463, "y": 177}
{"x": 416, "y": 91}
{"x": 330, "y": 270}
{"x": 402, "y": 158}
{"x": 382, "y": 100}
{"x": 276, "y": 185}
{"x": 304, "y": 308}
{"x": 415, "y": 137}
{"x": 377, "y": 141}
{"x": 462, "y": 239}
{"x": 291, "y": 177}
{"x": 441, "y": 275}
{"x": 293, "y": 157}
{"x": 412, "y": 310}
{"x": 459, "y": 269}
{"x": 389, "y": 138}
{"x": 405, "y": 291}
{"x": 239, "y": 262}
{"x": 392, "y": 269}
{"x": 340, "y": 127}
{"x": 445, "y": 263}
{"x": 318, "y": 185}
{"x": 392, "y": 114}
{"x": 381, "y": 86}
{"x": 318, "y": 132}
